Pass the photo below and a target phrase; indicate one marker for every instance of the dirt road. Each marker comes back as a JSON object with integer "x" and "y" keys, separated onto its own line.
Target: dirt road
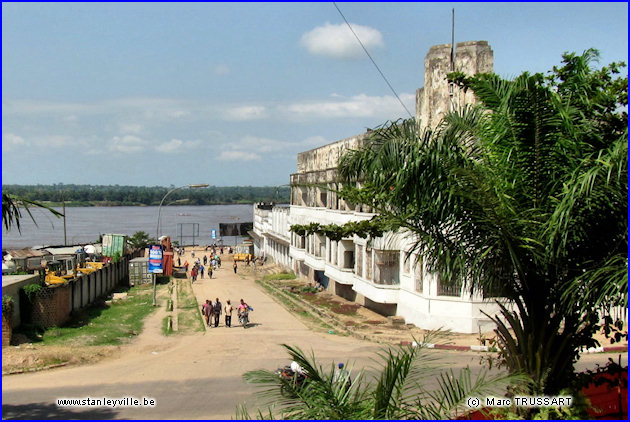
{"x": 195, "y": 376}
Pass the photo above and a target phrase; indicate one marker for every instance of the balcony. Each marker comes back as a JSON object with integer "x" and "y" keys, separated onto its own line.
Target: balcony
{"x": 380, "y": 293}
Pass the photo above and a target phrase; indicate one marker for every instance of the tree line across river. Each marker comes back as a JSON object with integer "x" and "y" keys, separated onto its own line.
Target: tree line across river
{"x": 108, "y": 195}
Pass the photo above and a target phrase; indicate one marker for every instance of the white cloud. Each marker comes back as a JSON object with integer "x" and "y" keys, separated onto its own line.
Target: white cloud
{"x": 221, "y": 70}
{"x": 11, "y": 141}
{"x": 338, "y": 42}
{"x": 245, "y": 113}
{"x": 128, "y": 143}
{"x": 238, "y": 156}
{"x": 134, "y": 128}
{"x": 57, "y": 141}
{"x": 176, "y": 145}
{"x": 386, "y": 107}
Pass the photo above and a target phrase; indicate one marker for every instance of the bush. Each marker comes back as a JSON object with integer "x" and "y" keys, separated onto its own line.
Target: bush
{"x": 7, "y": 305}
{"x": 31, "y": 290}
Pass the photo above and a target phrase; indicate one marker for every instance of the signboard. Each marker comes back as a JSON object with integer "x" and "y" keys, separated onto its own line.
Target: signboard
{"x": 155, "y": 259}
{"x": 213, "y": 233}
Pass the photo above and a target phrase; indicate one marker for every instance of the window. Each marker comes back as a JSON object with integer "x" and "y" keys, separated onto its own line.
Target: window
{"x": 448, "y": 289}
{"x": 346, "y": 249}
{"x": 323, "y": 197}
{"x": 387, "y": 267}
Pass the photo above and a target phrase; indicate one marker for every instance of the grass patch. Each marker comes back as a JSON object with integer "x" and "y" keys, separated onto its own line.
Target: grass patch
{"x": 279, "y": 276}
{"x": 185, "y": 296}
{"x": 165, "y": 328}
{"x": 100, "y": 324}
{"x": 189, "y": 321}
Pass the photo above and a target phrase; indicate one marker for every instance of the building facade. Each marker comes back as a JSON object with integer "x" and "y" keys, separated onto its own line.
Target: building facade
{"x": 380, "y": 274}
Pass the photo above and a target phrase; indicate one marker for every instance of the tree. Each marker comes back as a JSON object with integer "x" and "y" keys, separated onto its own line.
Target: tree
{"x": 523, "y": 196}
{"x": 11, "y": 212}
{"x": 397, "y": 391}
{"x": 140, "y": 240}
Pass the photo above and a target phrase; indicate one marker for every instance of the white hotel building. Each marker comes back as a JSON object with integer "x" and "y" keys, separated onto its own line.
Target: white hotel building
{"x": 377, "y": 274}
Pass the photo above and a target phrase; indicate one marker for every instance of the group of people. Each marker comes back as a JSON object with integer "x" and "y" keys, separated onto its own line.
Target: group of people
{"x": 212, "y": 311}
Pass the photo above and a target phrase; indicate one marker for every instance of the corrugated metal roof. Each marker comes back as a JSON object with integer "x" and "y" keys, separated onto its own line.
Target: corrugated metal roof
{"x": 26, "y": 253}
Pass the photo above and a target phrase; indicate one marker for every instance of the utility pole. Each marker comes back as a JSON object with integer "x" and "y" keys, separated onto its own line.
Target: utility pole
{"x": 451, "y": 88}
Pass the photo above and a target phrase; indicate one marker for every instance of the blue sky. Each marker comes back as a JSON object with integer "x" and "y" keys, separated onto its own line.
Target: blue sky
{"x": 228, "y": 93}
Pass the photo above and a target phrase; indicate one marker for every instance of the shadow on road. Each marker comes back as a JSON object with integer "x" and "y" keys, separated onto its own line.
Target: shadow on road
{"x": 44, "y": 411}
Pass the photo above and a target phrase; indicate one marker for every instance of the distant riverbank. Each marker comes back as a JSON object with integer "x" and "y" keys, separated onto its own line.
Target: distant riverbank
{"x": 130, "y": 196}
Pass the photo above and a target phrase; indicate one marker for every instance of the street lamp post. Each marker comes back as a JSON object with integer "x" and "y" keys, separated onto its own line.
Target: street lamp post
{"x": 157, "y": 230}
{"x": 196, "y": 186}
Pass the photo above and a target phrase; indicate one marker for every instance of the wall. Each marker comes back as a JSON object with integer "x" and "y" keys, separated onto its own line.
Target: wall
{"x": 53, "y": 305}
{"x": 433, "y": 100}
{"x": 11, "y": 285}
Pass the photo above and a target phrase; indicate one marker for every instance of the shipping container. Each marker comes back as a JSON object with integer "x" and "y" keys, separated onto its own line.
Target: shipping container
{"x": 139, "y": 271}
{"x": 114, "y": 243}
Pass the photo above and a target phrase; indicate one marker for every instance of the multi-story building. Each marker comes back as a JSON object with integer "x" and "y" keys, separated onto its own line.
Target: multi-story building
{"x": 380, "y": 274}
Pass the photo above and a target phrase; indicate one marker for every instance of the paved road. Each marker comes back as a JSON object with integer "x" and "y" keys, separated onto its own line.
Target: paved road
{"x": 191, "y": 377}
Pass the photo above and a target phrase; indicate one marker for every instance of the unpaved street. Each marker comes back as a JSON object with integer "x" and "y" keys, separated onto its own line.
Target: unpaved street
{"x": 195, "y": 376}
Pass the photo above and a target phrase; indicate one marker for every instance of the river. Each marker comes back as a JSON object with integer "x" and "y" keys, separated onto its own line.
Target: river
{"x": 85, "y": 224}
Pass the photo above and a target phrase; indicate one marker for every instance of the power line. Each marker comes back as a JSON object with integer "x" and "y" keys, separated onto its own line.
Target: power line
{"x": 373, "y": 62}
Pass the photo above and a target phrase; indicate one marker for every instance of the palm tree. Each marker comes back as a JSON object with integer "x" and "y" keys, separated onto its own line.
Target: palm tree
{"x": 524, "y": 197}
{"x": 11, "y": 213}
{"x": 397, "y": 391}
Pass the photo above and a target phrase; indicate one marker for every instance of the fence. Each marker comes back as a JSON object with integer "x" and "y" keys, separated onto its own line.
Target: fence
{"x": 52, "y": 306}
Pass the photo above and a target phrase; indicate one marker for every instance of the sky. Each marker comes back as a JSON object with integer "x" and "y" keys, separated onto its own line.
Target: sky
{"x": 170, "y": 94}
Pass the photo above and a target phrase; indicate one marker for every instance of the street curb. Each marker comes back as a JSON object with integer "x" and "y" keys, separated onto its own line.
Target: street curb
{"x": 477, "y": 348}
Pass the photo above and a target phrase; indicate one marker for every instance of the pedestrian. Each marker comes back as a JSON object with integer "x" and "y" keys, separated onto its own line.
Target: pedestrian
{"x": 221, "y": 250}
{"x": 193, "y": 274}
{"x": 218, "y": 261}
{"x": 218, "y": 308}
{"x": 247, "y": 260}
{"x": 193, "y": 253}
{"x": 201, "y": 269}
{"x": 204, "y": 311}
{"x": 205, "y": 260}
{"x": 186, "y": 264}
{"x": 214, "y": 263}
{"x": 208, "y": 312}
{"x": 210, "y": 272}
{"x": 235, "y": 267}
{"x": 228, "y": 314}
{"x": 179, "y": 262}
{"x": 342, "y": 376}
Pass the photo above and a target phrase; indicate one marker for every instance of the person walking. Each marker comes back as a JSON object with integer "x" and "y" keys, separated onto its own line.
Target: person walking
{"x": 201, "y": 270}
{"x": 218, "y": 308}
{"x": 210, "y": 272}
{"x": 204, "y": 311}
{"x": 235, "y": 267}
{"x": 205, "y": 260}
{"x": 228, "y": 314}
{"x": 193, "y": 274}
{"x": 208, "y": 312}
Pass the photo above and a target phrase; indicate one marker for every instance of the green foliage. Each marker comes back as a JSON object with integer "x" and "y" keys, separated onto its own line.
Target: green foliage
{"x": 140, "y": 240}
{"x": 89, "y": 195}
{"x": 11, "y": 209}
{"x": 116, "y": 256}
{"x": 524, "y": 196}
{"x": 279, "y": 276}
{"x": 7, "y": 305}
{"x": 396, "y": 391}
{"x": 366, "y": 228}
{"x": 31, "y": 290}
